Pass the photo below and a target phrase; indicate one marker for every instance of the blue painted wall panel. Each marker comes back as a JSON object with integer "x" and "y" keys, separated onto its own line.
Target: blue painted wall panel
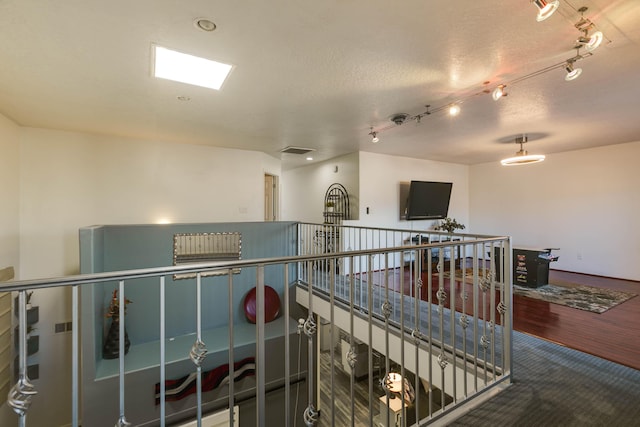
{"x": 123, "y": 247}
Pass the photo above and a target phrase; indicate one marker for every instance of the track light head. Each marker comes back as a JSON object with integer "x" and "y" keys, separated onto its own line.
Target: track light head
{"x": 374, "y": 136}
{"x": 499, "y": 92}
{"x": 545, "y": 9}
{"x": 591, "y": 43}
{"x": 572, "y": 73}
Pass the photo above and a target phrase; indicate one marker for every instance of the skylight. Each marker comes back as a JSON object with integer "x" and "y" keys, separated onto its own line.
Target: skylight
{"x": 193, "y": 70}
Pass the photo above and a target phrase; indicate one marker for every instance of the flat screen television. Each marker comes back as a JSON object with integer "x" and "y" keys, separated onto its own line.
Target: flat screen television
{"x": 428, "y": 200}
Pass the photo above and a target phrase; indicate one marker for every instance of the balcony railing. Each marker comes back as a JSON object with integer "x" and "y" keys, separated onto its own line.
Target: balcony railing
{"x": 421, "y": 315}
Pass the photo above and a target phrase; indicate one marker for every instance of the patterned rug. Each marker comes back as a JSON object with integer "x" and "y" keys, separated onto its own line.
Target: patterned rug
{"x": 588, "y": 298}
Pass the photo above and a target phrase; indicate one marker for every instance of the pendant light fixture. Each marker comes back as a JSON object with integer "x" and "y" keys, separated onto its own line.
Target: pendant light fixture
{"x": 545, "y": 9}
{"x": 522, "y": 157}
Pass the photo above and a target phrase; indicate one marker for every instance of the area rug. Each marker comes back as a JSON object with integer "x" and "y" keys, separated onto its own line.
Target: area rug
{"x": 588, "y": 298}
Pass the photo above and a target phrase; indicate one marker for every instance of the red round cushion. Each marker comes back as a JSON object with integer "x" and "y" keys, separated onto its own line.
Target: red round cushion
{"x": 271, "y": 304}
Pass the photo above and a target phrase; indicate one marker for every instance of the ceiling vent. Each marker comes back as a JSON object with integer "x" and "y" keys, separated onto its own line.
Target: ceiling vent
{"x": 296, "y": 150}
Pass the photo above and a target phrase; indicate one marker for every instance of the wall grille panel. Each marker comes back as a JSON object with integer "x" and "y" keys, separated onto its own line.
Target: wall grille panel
{"x": 206, "y": 247}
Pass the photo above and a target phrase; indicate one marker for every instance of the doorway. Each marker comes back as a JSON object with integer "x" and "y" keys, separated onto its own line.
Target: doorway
{"x": 270, "y": 197}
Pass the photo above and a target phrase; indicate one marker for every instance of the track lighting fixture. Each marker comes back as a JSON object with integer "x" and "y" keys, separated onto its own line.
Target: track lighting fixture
{"x": 572, "y": 73}
{"x": 522, "y": 157}
{"x": 591, "y": 42}
{"x": 545, "y": 9}
{"x": 499, "y": 92}
{"x": 585, "y": 25}
{"x": 374, "y": 136}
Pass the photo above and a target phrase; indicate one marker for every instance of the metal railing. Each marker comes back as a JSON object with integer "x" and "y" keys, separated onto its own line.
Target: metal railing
{"x": 430, "y": 308}
{"x": 426, "y": 305}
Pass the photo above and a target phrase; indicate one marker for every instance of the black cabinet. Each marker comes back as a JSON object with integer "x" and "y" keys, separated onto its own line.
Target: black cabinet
{"x": 530, "y": 266}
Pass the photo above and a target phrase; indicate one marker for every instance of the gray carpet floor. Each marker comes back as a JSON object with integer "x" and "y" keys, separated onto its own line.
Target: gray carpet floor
{"x": 558, "y": 386}
{"x": 552, "y": 385}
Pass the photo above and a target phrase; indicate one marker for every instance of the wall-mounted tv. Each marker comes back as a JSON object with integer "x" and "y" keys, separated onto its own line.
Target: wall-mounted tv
{"x": 428, "y": 200}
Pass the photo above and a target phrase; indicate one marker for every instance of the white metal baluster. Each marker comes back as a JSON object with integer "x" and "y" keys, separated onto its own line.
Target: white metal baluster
{"x": 162, "y": 354}
{"x": 260, "y": 365}
{"x": 475, "y": 316}
{"x": 492, "y": 311}
{"x": 332, "y": 300}
{"x": 231, "y": 345}
{"x": 502, "y": 307}
{"x": 370, "y": 320}
{"x": 453, "y": 251}
{"x": 508, "y": 269}
{"x": 485, "y": 321}
{"x": 441, "y": 295}
{"x": 464, "y": 321}
{"x": 199, "y": 349}
{"x": 351, "y": 357}
{"x": 417, "y": 277}
{"x": 75, "y": 355}
{"x": 287, "y": 352}
{"x": 362, "y": 271}
{"x": 19, "y": 397}
{"x": 199, "y": 336}
{"x": 386, "y": 310}
{"x": 309, "y": 327}
{"x": 403, "y": 418}
{"x": 429, "y": 324}
{"x": 122, "y": 421}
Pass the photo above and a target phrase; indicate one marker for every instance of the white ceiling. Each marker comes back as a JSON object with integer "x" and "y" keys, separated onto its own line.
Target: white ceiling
{"x": 319, "y": 74}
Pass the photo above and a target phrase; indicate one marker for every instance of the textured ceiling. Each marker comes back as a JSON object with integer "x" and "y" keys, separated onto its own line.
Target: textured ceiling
{"x": 321, "y": 74}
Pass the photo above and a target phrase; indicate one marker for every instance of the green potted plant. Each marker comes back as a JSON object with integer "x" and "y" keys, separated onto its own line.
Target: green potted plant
{"x": 449, "y": 225}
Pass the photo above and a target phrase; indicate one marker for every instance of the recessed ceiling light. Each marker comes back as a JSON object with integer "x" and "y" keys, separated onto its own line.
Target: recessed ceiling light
{"x": 204, "y": 24}
{"x": 181, "y": 67}
{"x": 309, "y": 158}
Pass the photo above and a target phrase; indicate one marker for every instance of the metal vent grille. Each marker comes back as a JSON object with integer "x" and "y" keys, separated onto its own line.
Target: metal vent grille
{"x": 296, "y": 150}
{"x": 206, "y": 247}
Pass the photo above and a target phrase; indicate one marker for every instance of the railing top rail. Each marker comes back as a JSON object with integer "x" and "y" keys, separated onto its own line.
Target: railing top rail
{"x": 81, "y": 279}
{"x": 404, "y": 230}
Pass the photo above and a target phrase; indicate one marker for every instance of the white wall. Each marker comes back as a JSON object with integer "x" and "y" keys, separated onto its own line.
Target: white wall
{"x": 303, "y": 188}
{"x": 380, "y": 178}
{"x": 70, "y": 180}
{"x": 9, "y": 194}
{"x": 9, "y": 221}
{"x": 585, "y": 202}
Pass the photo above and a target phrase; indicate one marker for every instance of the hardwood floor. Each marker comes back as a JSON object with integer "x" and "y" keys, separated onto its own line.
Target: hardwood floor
{"x": 612, "y": 335}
